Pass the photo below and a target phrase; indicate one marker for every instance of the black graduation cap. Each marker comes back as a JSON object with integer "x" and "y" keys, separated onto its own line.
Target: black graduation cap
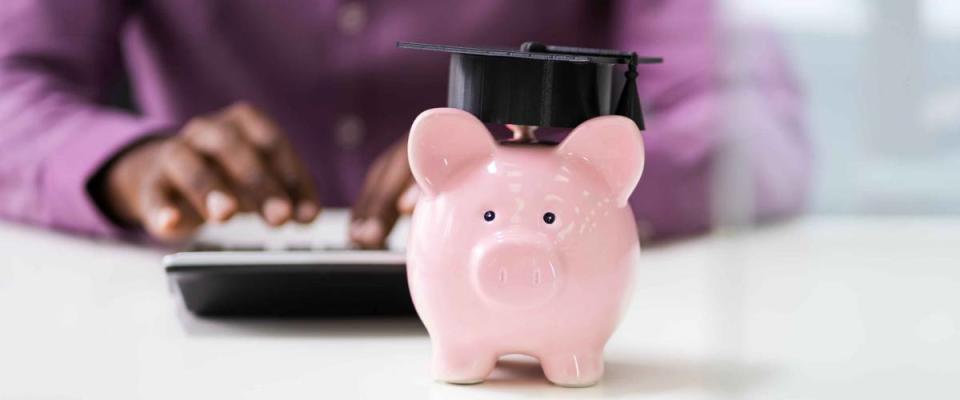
{"x": 539, "y": 85}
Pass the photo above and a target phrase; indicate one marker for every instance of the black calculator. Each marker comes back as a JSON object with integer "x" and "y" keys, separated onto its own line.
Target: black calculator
{"x": 297, "y": 281}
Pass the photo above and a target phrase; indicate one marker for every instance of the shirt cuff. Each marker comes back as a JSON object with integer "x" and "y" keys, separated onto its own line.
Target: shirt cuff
{"x": 76, "y": 161}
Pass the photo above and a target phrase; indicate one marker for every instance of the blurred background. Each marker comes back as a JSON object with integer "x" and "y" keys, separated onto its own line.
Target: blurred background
{"x": 828, "y": 306}
{"x": 883, "y": 97}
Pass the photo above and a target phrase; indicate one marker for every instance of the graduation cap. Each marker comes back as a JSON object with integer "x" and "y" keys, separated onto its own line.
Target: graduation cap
{"x": 539, "y": 85}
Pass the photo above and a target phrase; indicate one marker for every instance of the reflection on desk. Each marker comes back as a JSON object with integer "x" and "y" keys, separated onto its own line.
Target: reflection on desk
{"x": 821, "y": 307}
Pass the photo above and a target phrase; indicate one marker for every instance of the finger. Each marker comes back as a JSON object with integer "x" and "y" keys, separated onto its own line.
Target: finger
{"x": 198, "y": 183}
{"x": 362, "y": 234}
{"x": 264, "y": 134}
{"x": 358, "y": 212}
{"x": 307, "y": 203}
{"x": 224, "y": 143}
{"x": 382, "y": 193}
{"x": 162, "y": 216}
{"x": 262, "y": 131}
{"x": 408, "y": 200}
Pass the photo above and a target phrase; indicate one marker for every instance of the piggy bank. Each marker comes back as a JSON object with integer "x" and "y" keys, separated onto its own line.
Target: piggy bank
{"x": 521, "y": 248}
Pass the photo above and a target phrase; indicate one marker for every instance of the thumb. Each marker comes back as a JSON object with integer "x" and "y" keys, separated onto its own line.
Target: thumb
{"x": 408, "y": 200}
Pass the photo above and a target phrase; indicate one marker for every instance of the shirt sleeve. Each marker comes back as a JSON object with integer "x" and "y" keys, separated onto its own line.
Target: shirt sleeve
{"x": 719, "y": 106}
{"x": 56, "y": 59}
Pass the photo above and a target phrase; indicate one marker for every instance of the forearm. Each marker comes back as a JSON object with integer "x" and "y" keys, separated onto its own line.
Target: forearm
{"x": 57, "y": 57}
{"x": 705, "y": 153}
{"x": 718, "y": 123}
{"x": 53, "y": 145}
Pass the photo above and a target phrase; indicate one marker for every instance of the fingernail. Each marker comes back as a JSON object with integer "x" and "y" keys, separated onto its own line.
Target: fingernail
{"x": 307, "y": 211}
{"x": 355, "y": 225}
{"x": 408, "y": 200}
{"x": 220, "y": 205}
{"x": 276, "y": 210}
{"x": 371, "y": 231}
{"x": 166, "y": 218}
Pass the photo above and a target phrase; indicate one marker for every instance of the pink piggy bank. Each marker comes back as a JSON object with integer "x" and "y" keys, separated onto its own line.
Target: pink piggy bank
{"x": 522, "y": 248}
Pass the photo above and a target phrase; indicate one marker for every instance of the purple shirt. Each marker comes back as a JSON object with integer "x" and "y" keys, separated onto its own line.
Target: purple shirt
{"x": 329, "y": 72}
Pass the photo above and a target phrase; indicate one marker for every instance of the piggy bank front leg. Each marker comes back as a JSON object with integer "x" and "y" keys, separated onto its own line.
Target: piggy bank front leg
{"x": 462, "y": 363}
{"x": 573, "y": 369}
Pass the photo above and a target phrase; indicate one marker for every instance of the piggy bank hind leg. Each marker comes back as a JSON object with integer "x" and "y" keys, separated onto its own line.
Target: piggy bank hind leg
{"x": 462, "y": 364}
{"x": 573, "y": 369}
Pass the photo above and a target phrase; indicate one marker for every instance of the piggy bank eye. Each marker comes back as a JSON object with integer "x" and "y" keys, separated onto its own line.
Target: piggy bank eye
{"x": 549, "y": 217}
{"x": 489, "y": 216}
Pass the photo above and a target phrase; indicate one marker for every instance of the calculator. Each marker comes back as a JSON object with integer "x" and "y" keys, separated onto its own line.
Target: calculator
{"x": 288, "y": 272}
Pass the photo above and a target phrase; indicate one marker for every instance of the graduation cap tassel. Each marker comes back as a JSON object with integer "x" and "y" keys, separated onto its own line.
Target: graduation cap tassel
{"x": 629, "y": 104}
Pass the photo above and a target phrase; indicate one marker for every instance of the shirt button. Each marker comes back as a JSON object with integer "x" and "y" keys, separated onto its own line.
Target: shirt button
{"x": 351, "y": 18}
{"x": 349, "y": 132}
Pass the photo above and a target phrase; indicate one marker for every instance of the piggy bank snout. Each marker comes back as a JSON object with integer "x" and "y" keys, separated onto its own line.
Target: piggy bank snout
{"x": 516, "y": 272}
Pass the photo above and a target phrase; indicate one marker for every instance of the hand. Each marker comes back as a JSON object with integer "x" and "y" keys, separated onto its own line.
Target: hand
{"x": 233, "y": 160}
{"x": 388, "y": 191}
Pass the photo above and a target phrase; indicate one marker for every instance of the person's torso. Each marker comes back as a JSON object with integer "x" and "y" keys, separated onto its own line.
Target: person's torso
{"x": 328, "y": 71}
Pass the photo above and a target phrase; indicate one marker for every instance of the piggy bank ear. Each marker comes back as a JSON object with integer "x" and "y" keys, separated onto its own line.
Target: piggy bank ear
{"x": 443, "y": 140}
{"x": 612, "y": 145}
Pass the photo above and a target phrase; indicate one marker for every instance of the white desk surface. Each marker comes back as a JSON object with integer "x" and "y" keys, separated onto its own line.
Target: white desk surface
{"x": 816, "y": 308}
